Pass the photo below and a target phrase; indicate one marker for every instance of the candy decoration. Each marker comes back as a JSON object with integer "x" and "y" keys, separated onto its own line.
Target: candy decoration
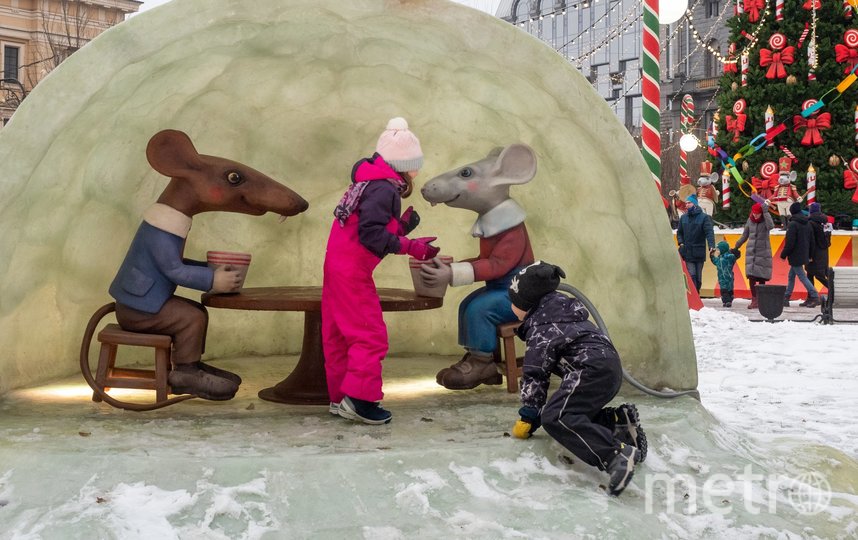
{"x": 725, "y": 190}
{"x": 803, "y": 35}
{"x": 779, "y": 10}
{"x": 850, "y": 178}
{"x": 789, "y": 154}
{"x": 753, "y": 8}
{"x": 848, "y": 52}
{"x": 770, "y": 122}
{"x": 737, "y": 7}
{"x": 777, "y": 57}
{"x": 730, "y": 64}
{"x": 651, "y": 93}
{"x": 745, "y": 64}
{"x": 847, "y": 9}
{"x": 811, "y": 184}
{"x": 768, "y": 169}
{"x": 812, "y": 4}
{"x": 686, "y": 120}
{"x": 813, "y": 125}
{"x": 736, "y": 124}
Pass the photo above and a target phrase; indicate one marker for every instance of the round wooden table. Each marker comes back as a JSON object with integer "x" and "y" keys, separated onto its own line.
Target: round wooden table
{"x": 307, "y": 385}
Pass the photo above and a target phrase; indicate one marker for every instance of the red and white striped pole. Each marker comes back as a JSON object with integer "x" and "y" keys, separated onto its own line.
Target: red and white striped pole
{"x": 686, "y": 120}
{"x": 651, "y": 93}
{"x": 725, "y": 189}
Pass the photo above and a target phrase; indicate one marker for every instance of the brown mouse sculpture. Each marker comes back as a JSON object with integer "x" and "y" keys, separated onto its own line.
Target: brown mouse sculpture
{"x": 144, "y": 288}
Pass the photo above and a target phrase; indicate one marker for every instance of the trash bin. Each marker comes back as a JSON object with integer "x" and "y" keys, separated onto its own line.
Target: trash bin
{"x": 770, "y": 301}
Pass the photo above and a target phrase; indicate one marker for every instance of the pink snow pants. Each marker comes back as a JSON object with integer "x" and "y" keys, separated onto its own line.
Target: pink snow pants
{"x": 354, "y": 336}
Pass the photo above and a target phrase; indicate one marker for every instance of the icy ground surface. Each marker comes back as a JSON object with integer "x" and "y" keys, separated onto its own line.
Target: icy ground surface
{"x": 750, "y": 462}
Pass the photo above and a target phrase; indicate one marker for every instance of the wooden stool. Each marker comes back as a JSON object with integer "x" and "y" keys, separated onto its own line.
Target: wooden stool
{"x": 506, "y": 336}
{"x": 146, "y": 379}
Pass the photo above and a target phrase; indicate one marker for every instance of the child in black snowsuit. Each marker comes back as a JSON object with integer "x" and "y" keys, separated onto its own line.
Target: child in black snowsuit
{"x": 562, "y": 341}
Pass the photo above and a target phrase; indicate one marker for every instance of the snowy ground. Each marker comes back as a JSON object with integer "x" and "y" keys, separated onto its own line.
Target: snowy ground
{"x": 770, "y": 453}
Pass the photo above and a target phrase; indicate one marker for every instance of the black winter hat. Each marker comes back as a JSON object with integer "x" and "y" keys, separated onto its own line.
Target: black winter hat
{"x": 795, "y": 208}
{"x": 532, "y": 283}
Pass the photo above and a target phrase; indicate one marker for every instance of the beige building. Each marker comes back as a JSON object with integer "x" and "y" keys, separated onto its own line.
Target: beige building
{"x": 36, "y": 35}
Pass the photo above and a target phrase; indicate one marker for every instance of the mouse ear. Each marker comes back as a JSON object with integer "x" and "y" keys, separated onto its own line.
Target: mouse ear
{"x": 171, "y": 153}
{"x": 516, "y": 164}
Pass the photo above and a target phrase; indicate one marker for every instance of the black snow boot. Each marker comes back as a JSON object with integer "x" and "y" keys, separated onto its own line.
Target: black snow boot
{"x": 228, "y": 375}
{"x": 621, "y": 469}
{"x": 628, "y": 430}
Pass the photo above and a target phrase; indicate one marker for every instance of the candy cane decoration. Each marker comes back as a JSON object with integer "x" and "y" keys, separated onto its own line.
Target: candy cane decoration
{"x": 725, "y": 190}
{"x": 788, "y": 154}
{"x": 803, "y": 35}
{"x": 811, "y": 184}
{"x": 770, "y": 122}
{"x": 745, "y": 64}
{"x": 651, "y": 94}
{"x": 779, "y": 10}
{"x": 686, "y": 120}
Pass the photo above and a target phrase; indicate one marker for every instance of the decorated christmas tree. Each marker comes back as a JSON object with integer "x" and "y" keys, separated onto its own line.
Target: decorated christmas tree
{"x": 790, "y": 55}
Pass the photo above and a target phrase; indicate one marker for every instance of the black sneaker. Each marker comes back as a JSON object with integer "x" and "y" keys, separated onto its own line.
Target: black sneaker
{"x": 628, "y": 430}
{"x": 368, "y": 412}
{"x": 810, "y": 302}
{"x": 621, "y": 469}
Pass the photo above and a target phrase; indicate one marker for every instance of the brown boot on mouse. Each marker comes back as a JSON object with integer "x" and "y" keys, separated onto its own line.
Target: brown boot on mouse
{"x": 192, "y": 379}
{"x": 471, "y": 371}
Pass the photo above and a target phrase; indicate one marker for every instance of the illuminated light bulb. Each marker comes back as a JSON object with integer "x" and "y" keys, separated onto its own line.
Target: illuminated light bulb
{"x": 670, "y": 11}
{"x": 688, "y": 142}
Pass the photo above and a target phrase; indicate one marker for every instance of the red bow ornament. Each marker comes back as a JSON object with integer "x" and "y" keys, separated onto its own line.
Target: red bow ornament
{"x": 812, "y": 126}
{"x": 736, "y": 125}
{"x": 776, "y": 60}
{"x": 812, "y": 4}
{"x": 842, "y": 53}
{"x": 850, "y": 181}
{"x": 753, "y": 7}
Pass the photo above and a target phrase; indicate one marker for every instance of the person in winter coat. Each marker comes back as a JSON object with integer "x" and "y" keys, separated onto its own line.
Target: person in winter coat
{"x": 367, "y": 227}
{"x": 694, "y": 231}
{"x": 798, "y": 246}
{"x": 758, "y": 254}
{"x": 562, "y": 341}
{"x": 817, "y": 268}
{"x": 724, "y": 259}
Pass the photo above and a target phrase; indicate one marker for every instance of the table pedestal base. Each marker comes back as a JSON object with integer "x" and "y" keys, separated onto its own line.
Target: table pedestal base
{"x": 307, "y": 384}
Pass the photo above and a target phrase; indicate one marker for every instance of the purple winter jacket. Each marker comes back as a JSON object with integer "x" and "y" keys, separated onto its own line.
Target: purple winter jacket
{"x": 379, "y": 203}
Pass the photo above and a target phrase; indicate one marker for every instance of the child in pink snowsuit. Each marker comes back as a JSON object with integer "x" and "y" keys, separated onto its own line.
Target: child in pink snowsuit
{"x": 367, "y": 227}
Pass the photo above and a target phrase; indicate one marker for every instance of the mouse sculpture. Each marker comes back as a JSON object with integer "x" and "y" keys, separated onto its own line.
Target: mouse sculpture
{"x": 154, "y": 266}
{"x": 483, "y": 187}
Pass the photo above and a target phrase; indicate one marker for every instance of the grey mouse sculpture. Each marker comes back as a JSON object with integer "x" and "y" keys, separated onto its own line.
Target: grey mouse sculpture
{"x": 154, "y": 266}
{"x": 483, "y": 187}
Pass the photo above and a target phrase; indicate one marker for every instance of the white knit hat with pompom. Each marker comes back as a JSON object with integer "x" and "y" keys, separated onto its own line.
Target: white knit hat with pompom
{"x": 399, "y": 147}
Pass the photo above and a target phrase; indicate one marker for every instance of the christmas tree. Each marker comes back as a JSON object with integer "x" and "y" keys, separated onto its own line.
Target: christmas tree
{"x": 782, "y": 76}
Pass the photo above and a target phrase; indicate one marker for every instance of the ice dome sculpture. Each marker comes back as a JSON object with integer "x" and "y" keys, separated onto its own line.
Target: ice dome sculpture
{"x": 300, "y": 89}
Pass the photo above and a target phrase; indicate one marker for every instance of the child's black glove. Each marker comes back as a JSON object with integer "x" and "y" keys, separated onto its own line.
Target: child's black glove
{"x": 528, "y": 423}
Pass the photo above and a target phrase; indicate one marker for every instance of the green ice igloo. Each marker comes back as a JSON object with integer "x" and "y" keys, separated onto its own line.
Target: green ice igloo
{"x": 300, "y": 89}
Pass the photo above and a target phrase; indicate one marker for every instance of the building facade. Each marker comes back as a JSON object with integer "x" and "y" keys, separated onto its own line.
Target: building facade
{"x": 602, "y": 39}
{"x": 37, "y": 35}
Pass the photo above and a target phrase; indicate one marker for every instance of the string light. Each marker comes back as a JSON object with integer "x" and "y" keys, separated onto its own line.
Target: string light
{"x": 747, "y": 50}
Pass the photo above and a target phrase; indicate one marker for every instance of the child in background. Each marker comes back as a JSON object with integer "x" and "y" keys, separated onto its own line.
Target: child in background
{"x": 724, "y": 258}
{"x": 367, "y": 227}
{"x": 562, "y": 341}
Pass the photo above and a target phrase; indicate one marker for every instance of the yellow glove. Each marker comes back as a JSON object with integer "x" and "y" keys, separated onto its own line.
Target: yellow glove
{"x": 522, "y": 429}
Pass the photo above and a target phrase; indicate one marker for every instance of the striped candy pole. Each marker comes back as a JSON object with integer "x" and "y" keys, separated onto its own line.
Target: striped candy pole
{"x": 725, "y": 190}
{"x": 745, "y": 61}
{"x": 651, "y": 93}
{"x": 811, "y": 184}
{"x": 779, "y": 10}
{"x": 686, "y": 120}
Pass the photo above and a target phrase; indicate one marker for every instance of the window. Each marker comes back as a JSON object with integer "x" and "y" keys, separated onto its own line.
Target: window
{"x": 713, "y": 8}
{"x": 682, "y": 53}
{"x": 711, "y": 65}
{"x": 10, "y": 62}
